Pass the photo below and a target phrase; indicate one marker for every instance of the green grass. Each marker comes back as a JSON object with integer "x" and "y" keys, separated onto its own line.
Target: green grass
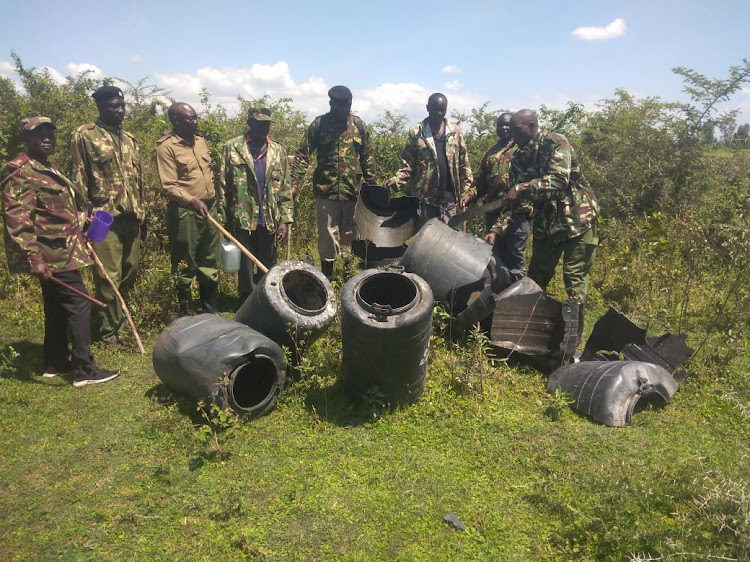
{"x": 121, "y": 470}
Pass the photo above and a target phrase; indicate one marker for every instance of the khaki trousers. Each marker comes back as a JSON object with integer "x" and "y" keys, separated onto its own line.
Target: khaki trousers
{"x": 336, "y": 228}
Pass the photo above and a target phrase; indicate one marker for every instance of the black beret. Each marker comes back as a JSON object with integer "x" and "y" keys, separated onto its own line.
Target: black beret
{"x": 107, "y": 92}
{"x": 340, "y": 93}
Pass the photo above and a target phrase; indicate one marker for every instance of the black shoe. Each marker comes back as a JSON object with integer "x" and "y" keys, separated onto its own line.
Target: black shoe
{"x": 209, "y": 293}
{"x": 327, "y": 268}
{"x": 97, "y": 376}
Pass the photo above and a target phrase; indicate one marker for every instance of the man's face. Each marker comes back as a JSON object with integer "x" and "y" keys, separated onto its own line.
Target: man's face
{"x": 41, "y": 142}
{"x": 437, "y": 109}
{"x": 258, "y": 129}
{"x": 522, "y": 131}
{"x": 112, "y": 111}
{"x": 185, "y": 121}
{"x": 503, "y": 127}
{"x": 341, "y": 109}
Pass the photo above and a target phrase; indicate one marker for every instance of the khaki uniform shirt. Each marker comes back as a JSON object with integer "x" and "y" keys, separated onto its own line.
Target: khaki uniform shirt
{"x": 184, "y": 170}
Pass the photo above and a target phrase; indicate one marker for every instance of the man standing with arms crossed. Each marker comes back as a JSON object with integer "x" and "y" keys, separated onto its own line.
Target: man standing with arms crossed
{"x": 345, "y": 158}
{"x": 436, "y": 162}
{"x": 184, "y": 163}
{"x": 105, "y": 160}
{"x": 258, "y": 191}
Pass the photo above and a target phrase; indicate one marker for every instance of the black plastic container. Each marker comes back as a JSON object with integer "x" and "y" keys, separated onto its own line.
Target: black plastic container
{"x": 293, "y": 305}
{"x": 208, "y": 357}
{"x": 386, "y": 322}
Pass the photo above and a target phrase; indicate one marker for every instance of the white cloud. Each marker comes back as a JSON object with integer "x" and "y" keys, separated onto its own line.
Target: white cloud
{"x": 74, "y": 69}
{"x": 614, "y": 29}
{"x": 136, "y": 59}
{"x": 453, "y": 85}
{"x": 6, "y": 68}
{"x": 56, "y": 77}
{"x": 451, "y": 68}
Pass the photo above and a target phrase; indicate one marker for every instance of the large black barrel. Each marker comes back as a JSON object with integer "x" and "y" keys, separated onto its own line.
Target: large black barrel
{"x": 386, "y": 322}
{"x": 211, "y": 357}
{"x": 293, "y": 305}
{"x": 451, "y": 262}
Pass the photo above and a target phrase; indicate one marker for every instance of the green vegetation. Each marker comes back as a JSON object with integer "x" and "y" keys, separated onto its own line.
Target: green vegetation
{"x": 125, "y": 470}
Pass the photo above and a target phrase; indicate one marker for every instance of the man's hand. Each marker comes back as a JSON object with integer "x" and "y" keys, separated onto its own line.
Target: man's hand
{"x": 282, "y": 231}
{"x": 41, "y": 271}
{"x": 511, "y": 197}
{"x": 199, "y": 207}
{"x": 391, "y": 183}
{"x": 465, "y": 200}
{"x": 490, "y": 238}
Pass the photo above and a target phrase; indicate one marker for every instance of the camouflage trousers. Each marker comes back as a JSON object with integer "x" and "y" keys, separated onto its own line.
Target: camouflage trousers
{"x": 578, "y": 257}
{"x": 119, "y": 253}
{"x": 195, "y": 246}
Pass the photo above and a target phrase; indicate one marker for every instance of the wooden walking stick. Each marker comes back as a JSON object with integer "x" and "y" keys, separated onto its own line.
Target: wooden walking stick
{"x": 77, "y": 292}
{"x": 288, "y": 241}
{"x": 119, "y": 297}
{"x": 242, "y": 248}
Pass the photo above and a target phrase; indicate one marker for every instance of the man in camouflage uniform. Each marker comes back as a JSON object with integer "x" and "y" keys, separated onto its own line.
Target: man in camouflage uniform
{"x": 345, "y": 158}
{"x": 259, "y": 200}
{"x": 508, "y": 244}
{"x": 44, "y": 214}
{"x": 105, "y": 160}
{"x": 436, "y": 163}
{"x": 184, "y": 163}
{"x": 545, "y": 172}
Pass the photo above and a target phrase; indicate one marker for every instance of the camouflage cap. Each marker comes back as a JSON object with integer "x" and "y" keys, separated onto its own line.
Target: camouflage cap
{"x": 340, "y": 93}
{"x": 262, "y": 114}
{"x": 107, "y": 92}
{"x": 31, "y": 123}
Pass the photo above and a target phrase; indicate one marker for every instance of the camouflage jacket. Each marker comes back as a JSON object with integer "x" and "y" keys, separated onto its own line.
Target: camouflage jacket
{"x": 44, "y": 214}
{"x": 420, "y": 169}
{"x": 240, "y": 186}
{"x": 546, "y": 174}
{"x": 345, "y": 157}
{"x": 107, "y": 163}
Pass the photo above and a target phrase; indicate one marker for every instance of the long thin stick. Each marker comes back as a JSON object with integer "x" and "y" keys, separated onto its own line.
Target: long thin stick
{"x": 288, "y": 241}
{"x": 242, "y": 248}
{"x": 77, "y": 292}
{"x": 119, "y": 297}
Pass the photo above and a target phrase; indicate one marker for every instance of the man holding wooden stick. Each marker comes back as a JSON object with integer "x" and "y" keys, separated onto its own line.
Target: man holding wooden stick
{"x": 184, "y": 162}
{"x": 44, "y": 214}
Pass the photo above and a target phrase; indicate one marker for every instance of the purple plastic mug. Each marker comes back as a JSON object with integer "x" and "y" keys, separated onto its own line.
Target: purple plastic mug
{"x": 100, "y": 224}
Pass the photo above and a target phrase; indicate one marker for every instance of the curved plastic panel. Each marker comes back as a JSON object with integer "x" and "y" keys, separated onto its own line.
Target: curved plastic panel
{"x": 608, "y": 391}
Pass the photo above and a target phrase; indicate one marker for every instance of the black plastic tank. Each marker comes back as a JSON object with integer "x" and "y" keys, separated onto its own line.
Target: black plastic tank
{"x": 208, "y": 357}
{"x": 293, "y": 305}
{"x": 452, "y": 262}
{"x": 386, "y": 322}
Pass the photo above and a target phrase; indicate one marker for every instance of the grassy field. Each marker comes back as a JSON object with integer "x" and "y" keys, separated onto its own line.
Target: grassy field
{"x": 124, "y": 470}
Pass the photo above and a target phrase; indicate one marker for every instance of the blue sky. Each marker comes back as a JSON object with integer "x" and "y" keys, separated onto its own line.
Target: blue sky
{"x": 392, "y": 54}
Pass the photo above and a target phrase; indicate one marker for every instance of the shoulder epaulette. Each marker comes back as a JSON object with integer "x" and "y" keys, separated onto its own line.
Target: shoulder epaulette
{"x": 165, "y": 137}
{"x": 19, "y": 160}
{"x": 86, "y": 127}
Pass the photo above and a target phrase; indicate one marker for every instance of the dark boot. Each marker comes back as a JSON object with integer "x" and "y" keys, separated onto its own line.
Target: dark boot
{"x": 571, "y": 333}
{"x": 184, "y": 301}
{"x": 327, "y": 268}
{"x": 209, "y": 293}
